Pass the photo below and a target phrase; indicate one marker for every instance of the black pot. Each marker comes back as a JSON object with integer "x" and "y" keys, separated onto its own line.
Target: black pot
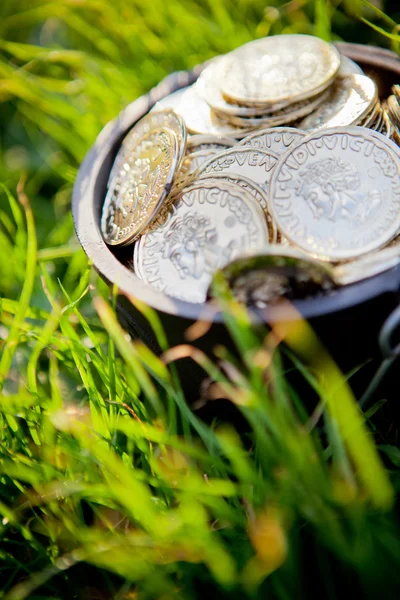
{"x": 348, "y": 321}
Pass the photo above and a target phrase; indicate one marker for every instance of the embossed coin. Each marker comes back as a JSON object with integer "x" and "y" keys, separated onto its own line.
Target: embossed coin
{"x": 255, "y": 164}
{"x": 350, "y": 101}
{"x": 262, "y": 279}
{"x": 277, "y": 139}
{"x": 207, "y": 86}
{"x": 193, "y": 161}
{"x": 166, "y": 118}
{"x": 255, "y": 190}
{"x": 381, "y": 137}
{"x": 137, "y": 193}
{"x": 189, "y": 167}
{"x": 205, "y": 142}
{"x": 199, "y": 117}
{"x": 210, "y": 224}
{"x": 279, "y": 68}
{"x": 336, "y": 194}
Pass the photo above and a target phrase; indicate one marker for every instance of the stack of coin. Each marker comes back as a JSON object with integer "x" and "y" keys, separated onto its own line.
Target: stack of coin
{"x": 393, "y": 111}
{"x": 280, "y": 80}
{"x": 311, "y": 189}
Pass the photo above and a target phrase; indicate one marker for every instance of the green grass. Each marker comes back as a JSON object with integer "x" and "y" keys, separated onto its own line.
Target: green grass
{"x": 111, "y": 485}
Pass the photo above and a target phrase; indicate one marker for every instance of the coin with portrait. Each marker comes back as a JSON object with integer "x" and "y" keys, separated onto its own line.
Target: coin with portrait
{"x": 336, "y": 194}
{"x": 255, "y": 190}
{"x": 211, "y": 223}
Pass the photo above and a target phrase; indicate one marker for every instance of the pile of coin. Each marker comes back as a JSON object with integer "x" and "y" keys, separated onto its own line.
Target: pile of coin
{"x": 393, "y": 112}
{"x": 288, "y": 79}
{"x": 277, "y": 166}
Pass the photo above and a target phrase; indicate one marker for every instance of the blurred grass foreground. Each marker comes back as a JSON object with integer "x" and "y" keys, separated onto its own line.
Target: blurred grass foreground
{"x": 111, "y": 486}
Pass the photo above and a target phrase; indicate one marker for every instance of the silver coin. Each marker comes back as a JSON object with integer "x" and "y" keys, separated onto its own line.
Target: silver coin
{"x": 368, "y": 266}
{"x": 378, "y": 123}
{"x": 383, "y": 139}
{"x": 136, "y": 195}
{"x": 393, "y": 109}
{"x": 255, "y": 190}
{"x": 387, "y": 128}
{"x": 171, "y": 101}
{"x": 255, "y": 164}
{"x": 199, "y": 117}
{"x": 203, "y": 142}
{"x": 351, "y": 99}
{"x": 348, "y": 67}
{"x": 189, "y": 168}
{"x": 192, "y": 162}
{"x": 277, "y": 139}
{"x": 209, "y": 225}
{"x": 165, "y": 118}
{"x": 279, "y": 68}
{"x": 289, "y": 114}
{"x": 262, "y": 279}
{"x": 396, "y": 91}
{"x": 207, "y": 87}
{"x": 336, "y": 194}
{"x": 284, "y": 241}
{"x": 372, "y": 116}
